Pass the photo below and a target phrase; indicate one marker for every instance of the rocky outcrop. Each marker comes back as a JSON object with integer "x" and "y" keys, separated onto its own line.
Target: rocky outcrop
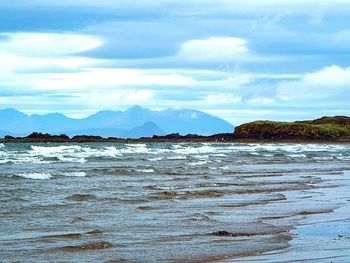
{"x": 37, "y": 137}
{"x": 326, "y": 128}
{"x": 332, "y": 129}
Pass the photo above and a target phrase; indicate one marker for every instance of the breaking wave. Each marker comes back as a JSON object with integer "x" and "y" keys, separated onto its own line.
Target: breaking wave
{"x": 35, "y": 176}
{"x": 85, "y": 153}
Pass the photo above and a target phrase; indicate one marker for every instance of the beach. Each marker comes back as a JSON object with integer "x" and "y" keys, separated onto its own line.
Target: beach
{"x": 174, "y": 202}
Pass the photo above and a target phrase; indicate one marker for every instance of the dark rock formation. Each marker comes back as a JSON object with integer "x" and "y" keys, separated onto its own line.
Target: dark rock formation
{"x": 80, "y": 198}
{"x": 86, "y": 138}
{"x": 331, "y": 129}
{"x": 223, "y": 233}
{"x": 90, "y": 246}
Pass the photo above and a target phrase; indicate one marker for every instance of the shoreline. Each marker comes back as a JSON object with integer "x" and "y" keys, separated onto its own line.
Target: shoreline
{"x": 232, "y": 202}
{"x": 326, "y": 130}
{"x": 170, "y": 138}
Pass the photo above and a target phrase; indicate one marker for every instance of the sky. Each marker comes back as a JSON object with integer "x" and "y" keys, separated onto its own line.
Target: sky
{"x": 239, "y": 60}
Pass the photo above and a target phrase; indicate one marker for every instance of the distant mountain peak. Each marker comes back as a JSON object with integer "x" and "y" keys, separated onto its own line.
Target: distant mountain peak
{"x": 148, "y": 129}
{"x": 149, "y": 124}
{"x": 135, "y": 108}
{"x": 145, "y": 121}
{"x": 11, "y": 111}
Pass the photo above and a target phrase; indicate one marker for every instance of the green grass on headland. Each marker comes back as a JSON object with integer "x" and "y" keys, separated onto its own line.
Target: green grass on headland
{"x": 324, "y": 128}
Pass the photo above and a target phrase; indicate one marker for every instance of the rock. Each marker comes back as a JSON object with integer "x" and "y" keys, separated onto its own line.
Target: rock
{"x": 80, "y": 198}
{"x": 90, "y": 246}
{"x": 77, "y": 220}
{"x": 229, "y": 234}
{"x": 87, "y": 138}
{"x": 45, "y": 137}
{"x": 95, "y": 232}
{"x": 326, "y": 128}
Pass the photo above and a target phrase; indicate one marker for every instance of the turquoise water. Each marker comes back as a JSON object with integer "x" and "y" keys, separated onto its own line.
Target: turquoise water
{"x": 169, "y": 202}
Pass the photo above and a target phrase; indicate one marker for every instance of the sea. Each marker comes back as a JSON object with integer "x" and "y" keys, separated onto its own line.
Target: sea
{"x": 174, "y": 202}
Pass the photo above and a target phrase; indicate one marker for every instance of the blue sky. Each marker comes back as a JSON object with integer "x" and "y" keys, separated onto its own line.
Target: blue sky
{"x": 239, "y": 60}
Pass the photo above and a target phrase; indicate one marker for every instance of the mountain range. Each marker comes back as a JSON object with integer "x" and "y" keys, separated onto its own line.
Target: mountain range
{"x": 134, "y": 122}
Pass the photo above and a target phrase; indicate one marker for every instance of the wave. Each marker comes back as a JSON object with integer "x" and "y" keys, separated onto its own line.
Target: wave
{"x": 178, "y": 157}
{"x": 36, "y": 176}
{"x": 44, "y": 176}
{"x": 195, "y": 150}
{"x": 145, "y": 170}
{"x": 74, "y": 174}
{"x": 155, "y": 159}
{"x": 50, "y": 154}
{"x": 199, "y": 163}
{"x": 288, "y": 148}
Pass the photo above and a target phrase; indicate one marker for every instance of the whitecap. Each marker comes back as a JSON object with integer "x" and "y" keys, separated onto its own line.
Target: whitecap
{"x": 297, "y": 155}
{"x": 145, "y": 170}
{"x": 155, "y": 159}
{"x": 28, "y": 159}
{"x": 36, "y": 176}
{"x": 72, "y": 159}
{"x": 201, "y": 157}
{"x": 54, "y": 150}
{"x": 195, "y": 150}
{"x": 74, "y": 174}
{"x": 219, "y": 155}
{"x": 288, "y": 148}
{"x": 2, "y": 145}
{"x": 137, "y": 148}
{"x": 198, "y": 163}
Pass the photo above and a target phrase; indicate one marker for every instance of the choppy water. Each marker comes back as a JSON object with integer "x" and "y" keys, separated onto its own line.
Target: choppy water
{"x": 172, "y": 202}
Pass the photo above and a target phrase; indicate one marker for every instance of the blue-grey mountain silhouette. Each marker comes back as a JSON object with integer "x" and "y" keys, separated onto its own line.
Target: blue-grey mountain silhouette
{"x": 134, "y": 122}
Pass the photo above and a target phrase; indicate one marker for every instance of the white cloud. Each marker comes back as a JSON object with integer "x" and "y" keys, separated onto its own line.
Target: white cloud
{"x": 46, "y": 44}
{"x": 329, "y": 81}
{"x": 221, "y": 99}
{"x": 332, "y": 77}
{"x": 113, "y": 99}
{"x": 260, "y": 101}
{"x": 213, "y": 49}
{"x": 110, "y": 78}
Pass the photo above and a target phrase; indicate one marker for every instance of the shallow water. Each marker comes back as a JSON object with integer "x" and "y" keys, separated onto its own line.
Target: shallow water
{"x": 174, "y": 202}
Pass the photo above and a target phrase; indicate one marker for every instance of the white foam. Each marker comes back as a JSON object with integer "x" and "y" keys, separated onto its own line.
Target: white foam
{"x": 74, "y": 174}
{"x": 201, "y": 157}
{"x": 2, "y": 145}
{"x": 137, "y": 149}
{"x": 36, "y": 176}
{"x": 47, "y": 154}
{"x": 195, "y": 150}
{"x": 219, "y": 155}
{"x": 155, "y": 159}
{"x": 198, "y": 163}
{"x": 297, "y": 155}
{"x": 289, "y": 148}
{"x": 72, "y": 159}
{"x": 145, "y": 170}
{"x": 18, "y": 159}
{"x": 110, "y": 151}
{"x": 73, "y": 153}
{"x": 54, "y": 150}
